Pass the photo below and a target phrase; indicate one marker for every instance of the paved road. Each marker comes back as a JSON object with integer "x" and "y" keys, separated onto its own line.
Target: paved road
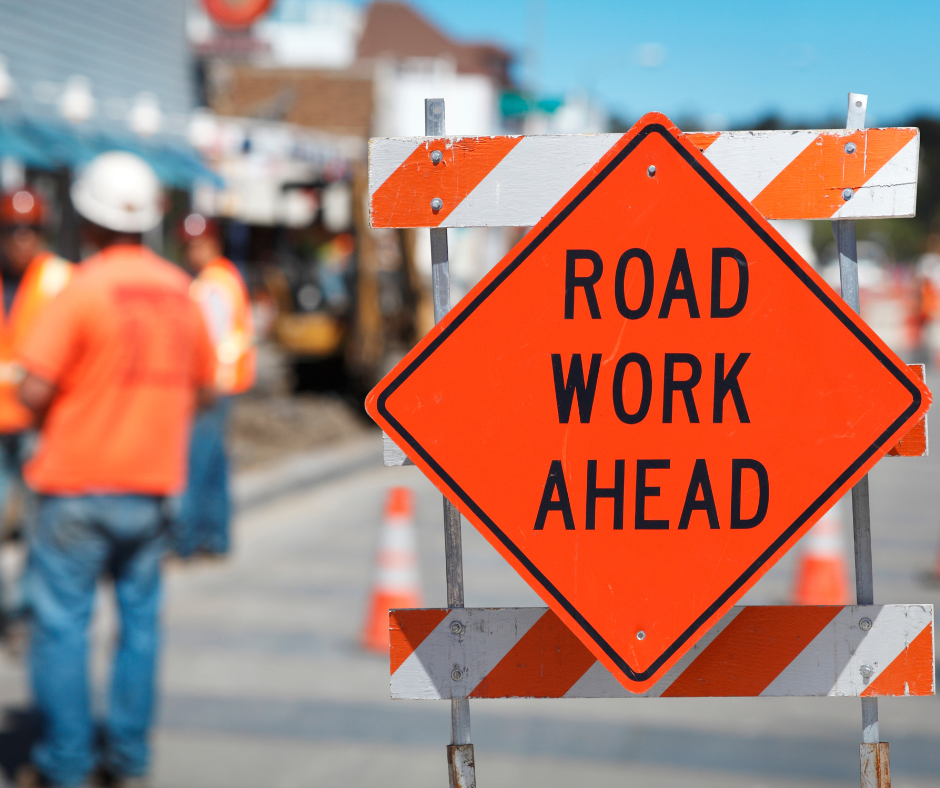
{"x": 264, "y": 685}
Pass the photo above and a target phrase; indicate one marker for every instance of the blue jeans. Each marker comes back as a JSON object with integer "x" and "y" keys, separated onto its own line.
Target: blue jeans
{"x": 205, "y": 509}
{"x": 15, "y": 449}
{"x": 75, "y": 541}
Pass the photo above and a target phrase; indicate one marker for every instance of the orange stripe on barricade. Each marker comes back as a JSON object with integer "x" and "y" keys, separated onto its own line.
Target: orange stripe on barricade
{"x": 914, "y": 444}
{"x": 911, "y": 673}
{"x": 812, "y": 184}
{"x": 703, "y": 139}
{"x": 405, "y": 197}
{"x": 546, "y": 662}
{"x": 751, "y": 651}
{"x": 408, "y": 630}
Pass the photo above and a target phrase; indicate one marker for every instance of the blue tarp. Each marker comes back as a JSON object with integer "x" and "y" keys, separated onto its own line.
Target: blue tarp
{"x": 50, "y": 144}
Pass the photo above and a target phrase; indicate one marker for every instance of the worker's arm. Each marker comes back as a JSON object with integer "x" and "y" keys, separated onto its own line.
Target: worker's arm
{"x": 36, "y": 394}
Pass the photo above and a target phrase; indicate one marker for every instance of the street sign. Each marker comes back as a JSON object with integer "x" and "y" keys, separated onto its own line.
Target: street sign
{"x": 647, "y": 402}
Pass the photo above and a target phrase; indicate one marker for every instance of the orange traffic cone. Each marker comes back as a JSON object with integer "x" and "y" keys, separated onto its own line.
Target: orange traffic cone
{"x": 396, "y": 584}
{"x": 822, "y": 572}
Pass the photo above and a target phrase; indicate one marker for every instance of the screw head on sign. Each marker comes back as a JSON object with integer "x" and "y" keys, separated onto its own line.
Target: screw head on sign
{"x": 864, "y": 624}
{"x": 651, "y": 170}
{"x": 847, "y": 194}
{"x": 436, "y": 157}
{"x": 849, "y": 147}
{"x": 640, "y": 635}
{"x": 867, "y": 671}
{"x": 456, "y": 627}
{"x": 436, "y": 204}
{"x": 456, "y": 674}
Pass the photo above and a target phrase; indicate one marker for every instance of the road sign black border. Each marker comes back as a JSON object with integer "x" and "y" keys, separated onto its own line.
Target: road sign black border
{"x": 821, "y": 294}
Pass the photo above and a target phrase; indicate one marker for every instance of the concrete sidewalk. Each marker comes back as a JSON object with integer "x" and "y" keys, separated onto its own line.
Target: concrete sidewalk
{"x": 301, "y": 472}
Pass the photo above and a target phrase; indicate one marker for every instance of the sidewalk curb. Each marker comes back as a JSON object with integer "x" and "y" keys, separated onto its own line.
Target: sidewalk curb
{"x": 303, "y": 471}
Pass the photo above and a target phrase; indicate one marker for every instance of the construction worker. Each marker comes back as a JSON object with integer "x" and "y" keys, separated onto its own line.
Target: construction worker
{"x": 202, "y": 524}
{"x": 32, "y": 276}
{"x": 114, "y": 372}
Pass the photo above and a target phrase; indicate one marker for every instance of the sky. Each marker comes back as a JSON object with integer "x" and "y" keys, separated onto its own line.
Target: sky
{"x": 724, "y": 62}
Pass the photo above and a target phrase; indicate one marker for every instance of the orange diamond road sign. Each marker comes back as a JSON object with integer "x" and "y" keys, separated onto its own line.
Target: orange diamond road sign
{"x": 647, "y": 402}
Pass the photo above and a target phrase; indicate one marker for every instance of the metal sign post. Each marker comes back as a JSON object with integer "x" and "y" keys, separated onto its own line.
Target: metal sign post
{"x": 460, "y": 752}
{"x": 873, "y": 753}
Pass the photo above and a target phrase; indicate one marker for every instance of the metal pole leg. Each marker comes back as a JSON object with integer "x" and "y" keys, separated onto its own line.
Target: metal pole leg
{"x": 460, "y": 766}
{"x": 873, "y": 753}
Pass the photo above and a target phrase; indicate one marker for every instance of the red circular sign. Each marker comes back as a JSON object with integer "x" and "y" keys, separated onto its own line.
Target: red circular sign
{"x": 236, "y": 13}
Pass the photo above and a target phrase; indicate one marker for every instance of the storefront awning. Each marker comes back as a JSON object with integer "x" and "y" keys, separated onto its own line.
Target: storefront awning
{"x": 49, "y": 144}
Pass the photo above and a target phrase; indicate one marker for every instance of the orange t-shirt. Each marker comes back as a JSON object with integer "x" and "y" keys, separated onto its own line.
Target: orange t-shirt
{"x": 126, "y": 348}
{"x": 44, "y": 278}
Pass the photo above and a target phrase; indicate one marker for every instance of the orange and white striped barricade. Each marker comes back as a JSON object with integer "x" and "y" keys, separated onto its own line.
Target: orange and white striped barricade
{"x": 773, "y": 651}
{"x": 514, "y": 181}
{"x": 458, "y": 653}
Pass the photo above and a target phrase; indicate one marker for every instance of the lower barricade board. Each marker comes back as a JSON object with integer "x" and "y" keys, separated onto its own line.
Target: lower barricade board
{"x": 774, "y": 651}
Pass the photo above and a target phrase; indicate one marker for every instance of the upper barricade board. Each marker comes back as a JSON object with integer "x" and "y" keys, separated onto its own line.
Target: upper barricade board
{"x": 515, "y": 181}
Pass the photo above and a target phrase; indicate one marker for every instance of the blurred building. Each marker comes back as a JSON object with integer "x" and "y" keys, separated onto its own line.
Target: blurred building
{"x": 121, "y": 48}
{"x": 77, "y": 79}
{"x": 331, "y": 66}
{"x": 301, "y": 34}
{"x": 292, "y": 101}
{"x": 413, "y": 60}
{"x": 577, "y": 113}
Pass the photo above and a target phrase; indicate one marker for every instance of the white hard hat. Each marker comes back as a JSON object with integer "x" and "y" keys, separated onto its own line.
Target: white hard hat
{"x": 119, "y": 191}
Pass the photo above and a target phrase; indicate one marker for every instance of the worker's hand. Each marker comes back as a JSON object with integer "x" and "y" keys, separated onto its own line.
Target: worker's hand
{"x": 36, "y": 394}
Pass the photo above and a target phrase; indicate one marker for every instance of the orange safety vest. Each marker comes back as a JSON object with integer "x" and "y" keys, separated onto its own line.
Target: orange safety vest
{"x": 44, "y": 278}
{"x": 221, "y": 294}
